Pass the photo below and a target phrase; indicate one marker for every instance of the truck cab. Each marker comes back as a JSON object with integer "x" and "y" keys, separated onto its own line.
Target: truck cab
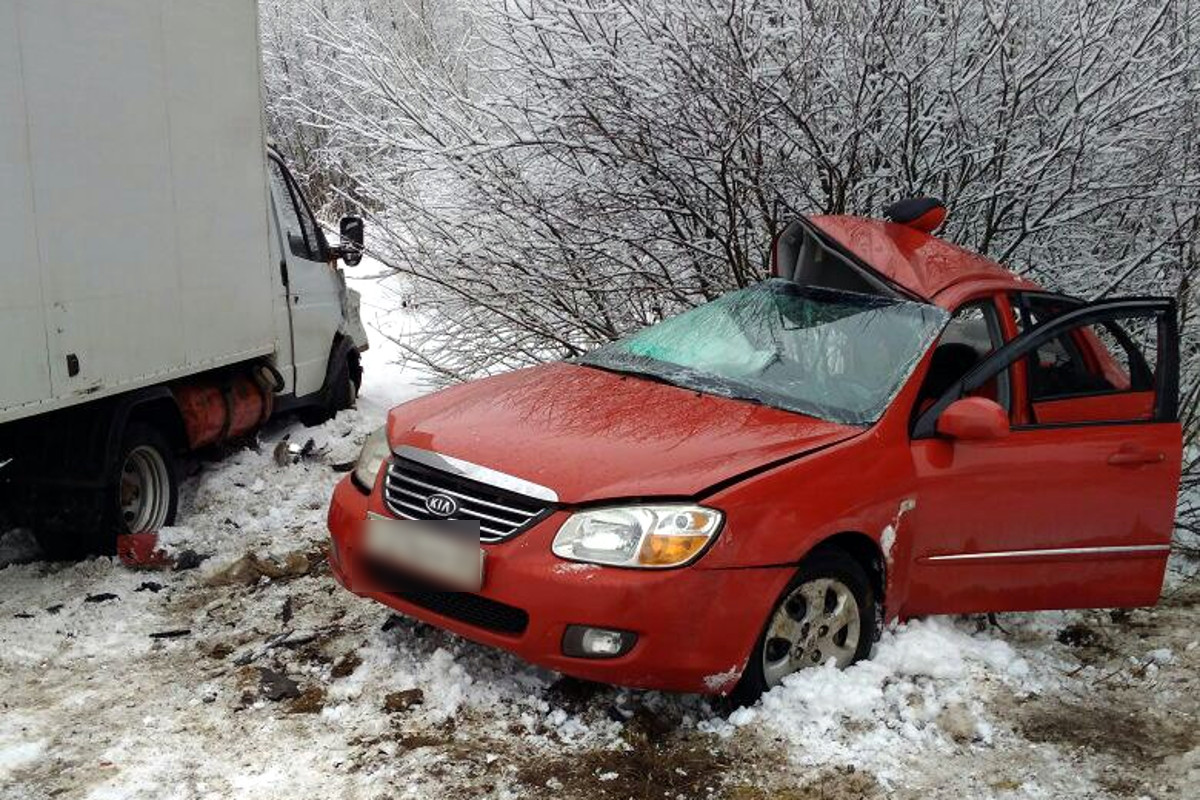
{"x": 314, "y": 309}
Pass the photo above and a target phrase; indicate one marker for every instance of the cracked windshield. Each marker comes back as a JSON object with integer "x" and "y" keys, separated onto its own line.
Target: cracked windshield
{"x": 839, "y": 356}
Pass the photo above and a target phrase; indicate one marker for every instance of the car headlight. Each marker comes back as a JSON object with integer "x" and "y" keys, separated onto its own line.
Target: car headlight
{"x": 638, "y": 536}
{"x": 375, "y": 451}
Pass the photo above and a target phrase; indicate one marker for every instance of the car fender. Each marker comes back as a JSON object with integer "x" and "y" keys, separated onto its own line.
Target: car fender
{"x": 865, "y": 485}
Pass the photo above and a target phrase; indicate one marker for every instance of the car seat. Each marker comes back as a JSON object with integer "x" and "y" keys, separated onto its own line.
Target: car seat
{"x": 950, "y": 362}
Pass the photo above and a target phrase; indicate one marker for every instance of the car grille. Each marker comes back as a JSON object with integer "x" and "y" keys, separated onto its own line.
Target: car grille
{"x": 501, "y": 513}
{"x": 472, "y": 609}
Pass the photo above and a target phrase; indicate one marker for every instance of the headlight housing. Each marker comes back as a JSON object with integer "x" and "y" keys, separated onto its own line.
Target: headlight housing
{"x": 647, "y": 537}
{"x": 375, "y": 451}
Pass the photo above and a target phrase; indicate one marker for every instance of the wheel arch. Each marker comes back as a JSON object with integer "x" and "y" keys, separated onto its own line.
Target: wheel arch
{"x": 342, "y": 350}
{"x": 865, "y": 550}
{"x": 856, "y": 545}
{"x": 156, "y": 406}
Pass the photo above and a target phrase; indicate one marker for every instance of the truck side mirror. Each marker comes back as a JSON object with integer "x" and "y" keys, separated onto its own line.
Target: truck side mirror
{"x": 351, "y": 248}
{"x": 973, "y": 418}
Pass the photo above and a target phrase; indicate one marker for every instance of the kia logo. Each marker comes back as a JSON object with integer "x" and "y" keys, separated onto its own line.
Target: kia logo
{"x": 443, "y": 505}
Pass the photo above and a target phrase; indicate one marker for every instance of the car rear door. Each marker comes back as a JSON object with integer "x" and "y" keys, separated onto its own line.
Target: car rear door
{"x": 1075, "y": 507}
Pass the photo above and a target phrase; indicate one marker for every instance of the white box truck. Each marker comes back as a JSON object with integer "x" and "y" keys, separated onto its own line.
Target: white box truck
{"x": 164, "y": 285}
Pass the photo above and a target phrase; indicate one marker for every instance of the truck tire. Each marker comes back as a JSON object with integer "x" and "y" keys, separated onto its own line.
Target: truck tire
{"x": 141, "y": 494}
{"x": 339, "y": 395}
{"x": 145, "y": 492}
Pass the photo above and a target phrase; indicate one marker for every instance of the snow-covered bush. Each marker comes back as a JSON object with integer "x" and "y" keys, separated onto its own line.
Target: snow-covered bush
{"x": 554, "y": 173}
{"x": 558, "y": 172}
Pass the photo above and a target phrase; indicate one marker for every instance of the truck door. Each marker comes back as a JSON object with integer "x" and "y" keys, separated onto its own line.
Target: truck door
{"x": 312, "y": 285}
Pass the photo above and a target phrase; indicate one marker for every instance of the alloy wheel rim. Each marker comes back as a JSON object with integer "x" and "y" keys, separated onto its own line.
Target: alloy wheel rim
{"x": 819, "y": 621}
{"x": 144, "y": 490}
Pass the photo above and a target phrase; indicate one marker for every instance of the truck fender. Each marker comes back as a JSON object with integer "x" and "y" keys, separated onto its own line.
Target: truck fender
{"x": 343, "y": 351}
{"x": 155, "y": 404}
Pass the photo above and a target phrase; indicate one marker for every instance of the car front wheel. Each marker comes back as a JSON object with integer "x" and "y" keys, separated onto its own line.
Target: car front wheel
{"x": 826, "y": 614}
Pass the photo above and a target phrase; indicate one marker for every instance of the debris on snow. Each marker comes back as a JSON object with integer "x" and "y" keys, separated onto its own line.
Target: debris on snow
{"x": 403, "y": 700}
{"x": 250, "y": 568}
{"x": 723, "y": 681}
{"x": 276, "y": 686}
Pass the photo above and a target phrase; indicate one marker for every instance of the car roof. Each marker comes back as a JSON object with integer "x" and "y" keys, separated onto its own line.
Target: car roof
{"x": 929, "y": 267}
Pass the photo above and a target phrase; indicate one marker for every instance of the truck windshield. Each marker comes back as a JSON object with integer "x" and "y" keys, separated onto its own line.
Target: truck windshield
{"x": 839, "y": 356}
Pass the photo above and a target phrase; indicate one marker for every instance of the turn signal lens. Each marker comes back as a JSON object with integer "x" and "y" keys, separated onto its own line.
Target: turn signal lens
{"x": 638, "y": 536}
{"x": 664, "y": 550}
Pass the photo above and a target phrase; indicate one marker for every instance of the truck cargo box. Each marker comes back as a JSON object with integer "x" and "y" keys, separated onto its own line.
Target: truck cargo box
{"x": 133, "y": 197}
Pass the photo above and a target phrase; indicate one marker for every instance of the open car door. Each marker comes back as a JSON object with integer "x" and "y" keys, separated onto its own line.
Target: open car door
{"x": 1075, "y": 507}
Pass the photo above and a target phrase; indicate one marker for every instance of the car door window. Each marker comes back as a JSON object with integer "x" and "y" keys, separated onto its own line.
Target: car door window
{"x": 971, "y": 335}
{"x": 1103, "y": 372}
{"x": 1060, "y": 366}
{"x": 1109, "y": 362}
{"x": 300, "y": 230}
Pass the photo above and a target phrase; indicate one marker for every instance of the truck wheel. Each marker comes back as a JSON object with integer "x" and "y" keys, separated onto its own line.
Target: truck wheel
{"x": 826, "y": 613}
{"x": 141, "y": 496}
{"x": 146, "y": 491}
{"x": 342, "y": 393}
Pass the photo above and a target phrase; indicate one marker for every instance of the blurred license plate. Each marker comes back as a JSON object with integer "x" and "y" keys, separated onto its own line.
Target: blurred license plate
{"x": 446, "y": 551}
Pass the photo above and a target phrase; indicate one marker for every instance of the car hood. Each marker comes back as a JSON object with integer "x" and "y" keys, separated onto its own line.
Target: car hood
{"x": 592, "y": 435}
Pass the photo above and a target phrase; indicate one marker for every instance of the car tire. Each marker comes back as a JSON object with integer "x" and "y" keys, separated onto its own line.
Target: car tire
{"x": 142, "y": 494}
{"x": 828, "y": 611}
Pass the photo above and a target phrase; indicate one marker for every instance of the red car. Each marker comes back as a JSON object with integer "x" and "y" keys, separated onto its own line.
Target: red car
{"x": 891, "y": 426}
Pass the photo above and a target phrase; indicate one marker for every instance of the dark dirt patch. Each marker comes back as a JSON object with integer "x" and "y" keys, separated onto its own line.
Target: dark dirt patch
{"x": 310, "y": 701}
{"x": 221, "y": 650}
{"x": 397, "y": 702}
{"x": 344, "y": 667}
{"x": 839, "y": 783}
{"x": 573, "y": 694}
{"x": 1136, "y": 735}
{"x": 686, "y": 766}
{"x": 276, "y": 686}
{"x": 415, "y": 741}
{"x": 1079, "y": 635}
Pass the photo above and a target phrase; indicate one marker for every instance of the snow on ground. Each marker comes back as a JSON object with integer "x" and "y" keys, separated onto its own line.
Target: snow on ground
{"x": 252, "y": 675}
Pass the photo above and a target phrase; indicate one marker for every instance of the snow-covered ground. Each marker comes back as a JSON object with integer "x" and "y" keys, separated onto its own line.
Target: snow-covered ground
{"x": 252, "y": 675}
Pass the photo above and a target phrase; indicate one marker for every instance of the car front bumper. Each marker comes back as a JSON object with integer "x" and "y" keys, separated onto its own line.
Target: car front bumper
{"x": 695, "y": 627}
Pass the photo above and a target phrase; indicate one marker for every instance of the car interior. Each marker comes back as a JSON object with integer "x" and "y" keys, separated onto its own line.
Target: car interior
{"x": 970, "y": 336}
{"x": 801, "y": 256}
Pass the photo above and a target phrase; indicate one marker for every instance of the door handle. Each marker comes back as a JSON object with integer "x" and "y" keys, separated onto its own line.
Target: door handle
{"x": 1132, "y": 457}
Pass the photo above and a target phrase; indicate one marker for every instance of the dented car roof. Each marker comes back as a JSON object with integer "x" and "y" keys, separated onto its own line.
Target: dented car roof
{"x": 929, "y": 267}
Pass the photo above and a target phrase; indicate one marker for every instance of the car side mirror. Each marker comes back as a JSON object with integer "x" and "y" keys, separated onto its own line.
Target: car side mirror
{"x": 973, "y": 419}
{"x": 351, "y": 248}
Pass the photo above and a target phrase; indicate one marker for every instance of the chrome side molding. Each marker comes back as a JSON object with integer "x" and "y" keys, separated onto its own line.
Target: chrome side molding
{"x": 1063, "y": 551}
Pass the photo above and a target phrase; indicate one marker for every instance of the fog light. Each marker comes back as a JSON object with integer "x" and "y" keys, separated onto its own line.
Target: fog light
{"x": 582, "y": 641}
